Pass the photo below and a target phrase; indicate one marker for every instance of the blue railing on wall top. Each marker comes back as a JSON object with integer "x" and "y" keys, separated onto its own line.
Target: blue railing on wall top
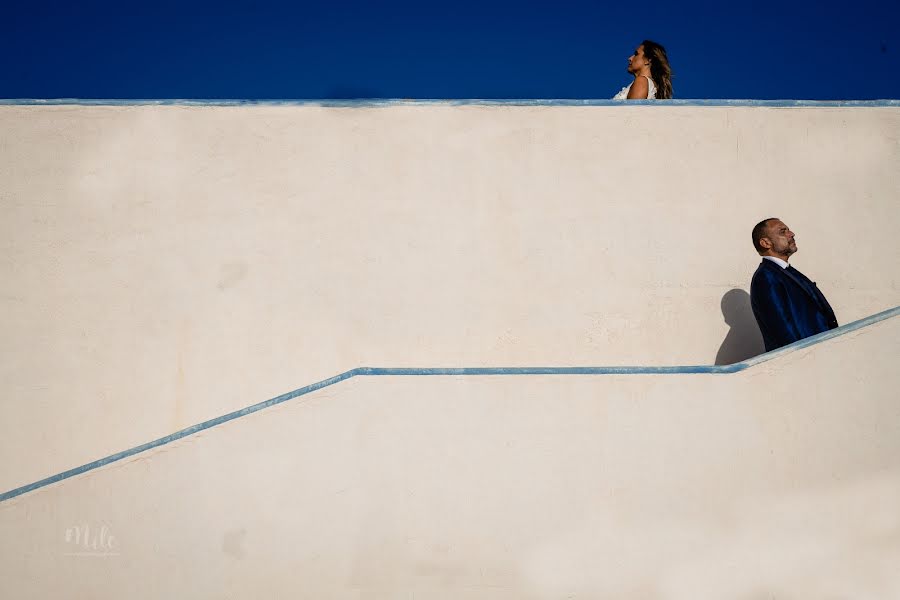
{"x": 471, "y": 371}
{"x": 388, "y": 102}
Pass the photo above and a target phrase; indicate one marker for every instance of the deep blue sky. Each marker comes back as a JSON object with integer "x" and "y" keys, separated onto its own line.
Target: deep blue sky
{"x": 765, "y": 49}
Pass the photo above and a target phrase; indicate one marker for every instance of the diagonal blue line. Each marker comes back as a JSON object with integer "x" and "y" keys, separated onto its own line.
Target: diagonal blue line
{"x": 177, "y": 435}
{"x": 401, "y": 371}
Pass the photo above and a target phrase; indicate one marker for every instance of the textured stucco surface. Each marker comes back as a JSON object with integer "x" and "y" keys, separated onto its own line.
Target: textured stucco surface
{"x": 162, "y": 265}
{"x": 779, "y": 481}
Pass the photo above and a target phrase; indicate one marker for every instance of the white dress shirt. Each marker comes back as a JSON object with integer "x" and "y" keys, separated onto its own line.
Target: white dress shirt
{"x": 781, "y": 263}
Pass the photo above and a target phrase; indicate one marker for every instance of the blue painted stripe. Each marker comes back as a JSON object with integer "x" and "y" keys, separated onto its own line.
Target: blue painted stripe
{"x": 176, "y": 436}
{"x": 466, "y": 371}
{"x": 674, "y": 370}
{"x": 388, "y": 102}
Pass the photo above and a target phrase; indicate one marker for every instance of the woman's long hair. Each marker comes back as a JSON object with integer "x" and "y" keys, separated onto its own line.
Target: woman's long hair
{"x": 660, "y": 71}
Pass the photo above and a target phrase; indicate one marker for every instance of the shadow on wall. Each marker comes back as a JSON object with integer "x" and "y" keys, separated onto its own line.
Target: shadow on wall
{"x": 744, "y": 339}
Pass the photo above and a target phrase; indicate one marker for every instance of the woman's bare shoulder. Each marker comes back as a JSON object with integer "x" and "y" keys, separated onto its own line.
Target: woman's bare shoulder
{"x": 639, "y": 89}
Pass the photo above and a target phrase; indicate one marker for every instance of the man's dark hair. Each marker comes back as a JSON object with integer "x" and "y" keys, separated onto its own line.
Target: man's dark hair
{"x": 759, "y": 232}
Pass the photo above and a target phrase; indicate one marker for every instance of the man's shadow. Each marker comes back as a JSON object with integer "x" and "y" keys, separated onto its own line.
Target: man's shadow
{"x": 744, "y": 339}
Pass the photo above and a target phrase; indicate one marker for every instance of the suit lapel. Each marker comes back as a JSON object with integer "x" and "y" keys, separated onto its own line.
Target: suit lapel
{"x": 799, "y": 281}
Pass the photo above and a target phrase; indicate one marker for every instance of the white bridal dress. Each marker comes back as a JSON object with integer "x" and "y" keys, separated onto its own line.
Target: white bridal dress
{"x": 651, "y": 92}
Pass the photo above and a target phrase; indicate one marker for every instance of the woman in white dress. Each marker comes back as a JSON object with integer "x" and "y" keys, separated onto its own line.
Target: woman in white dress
{"x": 652, "y": 74}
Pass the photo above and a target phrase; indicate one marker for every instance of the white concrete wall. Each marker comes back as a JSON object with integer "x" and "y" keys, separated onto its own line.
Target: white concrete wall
{"x": 781, "y": 481}
{"x": 164, "y": 265}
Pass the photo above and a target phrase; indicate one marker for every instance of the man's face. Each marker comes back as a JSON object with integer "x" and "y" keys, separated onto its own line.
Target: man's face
{"x": 781, "y": 239}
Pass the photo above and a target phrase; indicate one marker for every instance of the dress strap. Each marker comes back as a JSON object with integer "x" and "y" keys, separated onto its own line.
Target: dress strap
{"x": 651, "y": 90}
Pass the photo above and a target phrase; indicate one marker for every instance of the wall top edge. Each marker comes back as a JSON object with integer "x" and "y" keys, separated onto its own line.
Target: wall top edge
{"x": 377, "y": 102}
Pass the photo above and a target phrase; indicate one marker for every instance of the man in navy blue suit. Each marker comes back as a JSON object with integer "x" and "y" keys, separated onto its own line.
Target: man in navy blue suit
{"x": 787, "y": 305}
